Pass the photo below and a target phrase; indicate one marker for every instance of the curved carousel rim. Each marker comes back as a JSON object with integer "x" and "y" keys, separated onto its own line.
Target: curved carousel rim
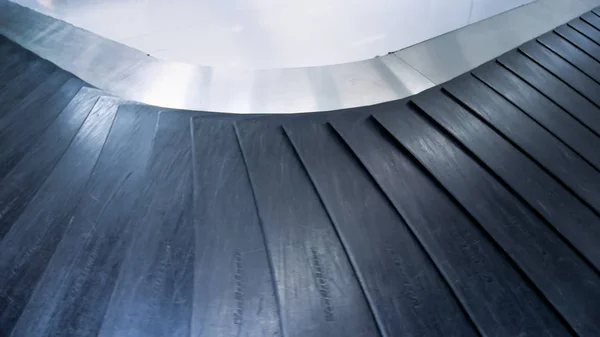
{"x": 134, "y": 75}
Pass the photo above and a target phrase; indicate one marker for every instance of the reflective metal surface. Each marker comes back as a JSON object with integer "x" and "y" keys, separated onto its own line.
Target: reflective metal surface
{"x": 450, "y": 55}
{"x": 265, "y": 34}
{"x": 134, "y": 75}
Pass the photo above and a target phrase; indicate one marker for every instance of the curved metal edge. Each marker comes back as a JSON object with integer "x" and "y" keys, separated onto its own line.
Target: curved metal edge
{"x": 449, "y": 55}
{"x": 134, "y": 75}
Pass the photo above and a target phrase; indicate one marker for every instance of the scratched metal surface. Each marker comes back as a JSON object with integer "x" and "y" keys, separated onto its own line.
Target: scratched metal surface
{"x": 134, "y": 75}
{"x": 265, "y": 34}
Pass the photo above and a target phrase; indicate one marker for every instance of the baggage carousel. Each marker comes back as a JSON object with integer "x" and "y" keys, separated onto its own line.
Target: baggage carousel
{"x": 470, "y": 209}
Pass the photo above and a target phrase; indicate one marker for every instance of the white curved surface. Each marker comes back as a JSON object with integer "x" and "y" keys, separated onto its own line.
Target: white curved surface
{"x": 262, "y": 34}
{"x": 131, "y": 74}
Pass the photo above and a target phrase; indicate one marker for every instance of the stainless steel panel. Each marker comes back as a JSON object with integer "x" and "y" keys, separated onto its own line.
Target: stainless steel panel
{"x": 450, "y": 55}
{"x": 134, "y": 75}
{"x": 266, "y": 34}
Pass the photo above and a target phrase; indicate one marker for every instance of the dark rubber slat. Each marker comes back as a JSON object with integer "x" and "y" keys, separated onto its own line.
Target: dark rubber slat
{"x": 21, "y": 127}
{"x": 542, "y": 110}
{"x": 592, "y": 19}
{"x": 586, "y": 29}
{"x": 560, "y": 208}
{"x": 153, "y": 293}
{"x": 563, "y": 70}
{"x": 535, "y": 248}
{"x": 579, "y": 40}
{"x": 322, "y": 296}
{"x": 11, "y": 55}
{"x": 78, "y": 282}
{"x": 29, "y": 245}
{"x": 34, "y": 99}
{"x": 571, "y": 54}
{"x": 15, "y": 65}
{"x": 499, "y": 301}
{"x": 554, "y": 89}
{"x": 21, "y": 184}
{"x": 6, "y": 48}
{"x": 399, "y": 279}
{"x": 578, "y": 175}
{"x": 21, "y": 81}
{"x": 232, "y": 267}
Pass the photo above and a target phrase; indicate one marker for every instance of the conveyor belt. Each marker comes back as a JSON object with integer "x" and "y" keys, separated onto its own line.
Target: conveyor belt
{"x": 471, "y": 209}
